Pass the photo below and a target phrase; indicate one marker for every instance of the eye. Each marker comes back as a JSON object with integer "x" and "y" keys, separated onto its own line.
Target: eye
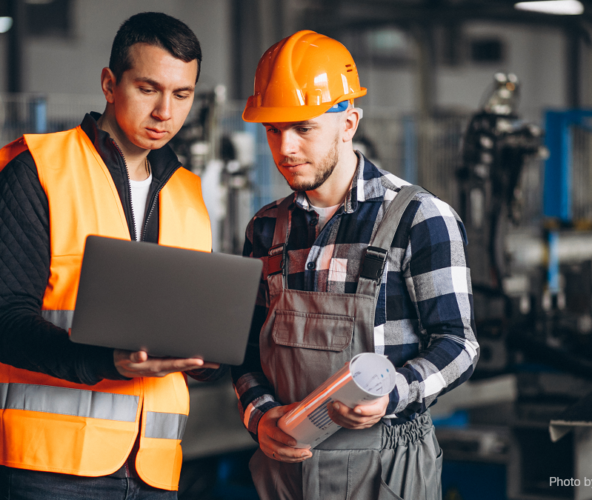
{"x": 147, "y": 90}
{"x": 182, "y": 96}
{"x": 303, "y": 130}
{"x": 272, "y": 130}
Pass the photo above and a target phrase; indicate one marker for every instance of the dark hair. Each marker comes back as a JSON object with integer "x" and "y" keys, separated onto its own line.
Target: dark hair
{"x": 160, "y": 30}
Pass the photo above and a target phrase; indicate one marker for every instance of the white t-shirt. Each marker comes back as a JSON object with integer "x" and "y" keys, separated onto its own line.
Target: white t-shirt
{"x": 325, "y": 214}
{"x": 139, "y": 199}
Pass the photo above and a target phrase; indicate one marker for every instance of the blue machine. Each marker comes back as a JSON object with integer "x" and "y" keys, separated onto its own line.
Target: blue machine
{"x": 557, "y": 193}
{"x": 557, "y": 202}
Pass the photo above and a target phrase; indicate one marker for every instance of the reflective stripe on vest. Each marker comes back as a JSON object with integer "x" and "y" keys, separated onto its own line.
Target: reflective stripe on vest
{"x": 61, "y": 319}
{"x": 165, "y": 425}
{"x": 65, "y": 401}
{"x": 91, "y": 404}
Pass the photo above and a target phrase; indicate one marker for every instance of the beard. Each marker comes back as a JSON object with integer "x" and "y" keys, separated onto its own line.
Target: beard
{"x": 323, "y": 170}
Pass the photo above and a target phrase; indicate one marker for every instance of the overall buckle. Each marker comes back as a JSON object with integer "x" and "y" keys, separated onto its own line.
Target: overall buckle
{"x": 373, "y": 265}
{"x": 275, "y": 261}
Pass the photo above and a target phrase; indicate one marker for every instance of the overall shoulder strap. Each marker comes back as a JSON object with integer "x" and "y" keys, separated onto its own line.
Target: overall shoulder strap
{"x": 373, "y": 264}
{"x": 277, "y": 255}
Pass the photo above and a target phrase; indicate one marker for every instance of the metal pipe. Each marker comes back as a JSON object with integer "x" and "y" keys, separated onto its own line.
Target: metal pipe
{"x": 16, "y": 39}
{"x": 529, "y": 250}
{"x": 573, "y": 69}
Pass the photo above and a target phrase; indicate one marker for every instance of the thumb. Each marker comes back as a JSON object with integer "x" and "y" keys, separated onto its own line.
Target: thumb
{"x": 290, "y": 407}
{"x": 138, "y": 357}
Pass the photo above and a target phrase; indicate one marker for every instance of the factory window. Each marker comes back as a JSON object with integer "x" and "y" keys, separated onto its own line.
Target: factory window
{"x": 388, "y": 46}
{"x": 388, "y": 42}
{"x": 49, "y": 17}
{"x": 487, "y": 51}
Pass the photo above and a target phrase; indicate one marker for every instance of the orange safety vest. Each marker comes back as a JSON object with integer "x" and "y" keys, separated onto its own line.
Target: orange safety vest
{"x": 49, "y": 424}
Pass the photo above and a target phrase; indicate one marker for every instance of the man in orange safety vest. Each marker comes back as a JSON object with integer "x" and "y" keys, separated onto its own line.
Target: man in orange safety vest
{"x": 86, "y": 422}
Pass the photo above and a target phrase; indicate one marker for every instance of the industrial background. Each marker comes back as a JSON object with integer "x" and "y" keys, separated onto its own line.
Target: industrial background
{"x": 487, "y": 106}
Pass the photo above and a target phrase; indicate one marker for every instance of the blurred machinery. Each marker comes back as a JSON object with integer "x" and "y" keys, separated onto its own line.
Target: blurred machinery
{"x": 224, "y": 161}
{"x": 496, "y": 146}
{"x": 532, "y": 279}
{"x": 532, "y": 288}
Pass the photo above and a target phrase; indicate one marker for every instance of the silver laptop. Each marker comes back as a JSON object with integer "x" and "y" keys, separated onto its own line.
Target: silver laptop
{"x": 166, "y": 301}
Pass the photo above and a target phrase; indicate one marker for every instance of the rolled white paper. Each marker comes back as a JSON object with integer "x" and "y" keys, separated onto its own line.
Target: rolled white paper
{"x": 367, "y": 377}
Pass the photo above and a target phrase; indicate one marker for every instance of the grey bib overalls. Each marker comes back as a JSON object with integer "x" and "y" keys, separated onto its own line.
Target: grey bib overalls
{"x": 307, "y": 337}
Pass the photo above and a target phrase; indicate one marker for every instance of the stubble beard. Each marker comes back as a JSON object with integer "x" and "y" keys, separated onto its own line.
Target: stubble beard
{"x": 325, "y": 168}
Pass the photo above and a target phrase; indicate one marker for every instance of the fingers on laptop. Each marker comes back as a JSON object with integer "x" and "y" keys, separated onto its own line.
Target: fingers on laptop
{"x": 139, "y": 364}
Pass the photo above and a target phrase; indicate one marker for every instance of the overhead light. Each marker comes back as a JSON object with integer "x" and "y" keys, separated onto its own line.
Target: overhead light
{"x": 557, "y": 7}
{"x": 5, "y": 24}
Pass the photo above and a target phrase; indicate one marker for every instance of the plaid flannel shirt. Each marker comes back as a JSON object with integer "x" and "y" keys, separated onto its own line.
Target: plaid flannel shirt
{"x": 424, "y": 315}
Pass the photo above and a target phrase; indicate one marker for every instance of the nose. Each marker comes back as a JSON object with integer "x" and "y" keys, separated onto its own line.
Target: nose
{"x": 162, "y": 110}
{"x": 288, "y": 143}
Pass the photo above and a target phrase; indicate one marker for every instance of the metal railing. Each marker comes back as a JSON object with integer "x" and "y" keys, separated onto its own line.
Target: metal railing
{"x": 35, "y": 113}
{"x": 582, "y": 175}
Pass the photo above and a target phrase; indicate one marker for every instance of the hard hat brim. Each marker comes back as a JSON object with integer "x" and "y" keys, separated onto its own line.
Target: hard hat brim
{"x": 262, "y": 114}
{"x": 292, "y": 114}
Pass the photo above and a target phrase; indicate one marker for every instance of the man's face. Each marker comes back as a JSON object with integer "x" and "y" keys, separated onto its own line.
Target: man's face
{"x": 305, "y": 153}
{"x": 153, "y": 97}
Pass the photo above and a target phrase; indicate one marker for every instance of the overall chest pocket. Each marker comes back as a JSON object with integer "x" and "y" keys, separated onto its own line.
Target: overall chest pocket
{"x": 306, "y": 349}
{"x": 324, "y": 332}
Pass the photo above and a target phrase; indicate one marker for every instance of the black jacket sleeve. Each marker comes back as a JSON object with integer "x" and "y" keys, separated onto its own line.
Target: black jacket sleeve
{"x": 208, "y": 374}
{"x": 27, "y": 340}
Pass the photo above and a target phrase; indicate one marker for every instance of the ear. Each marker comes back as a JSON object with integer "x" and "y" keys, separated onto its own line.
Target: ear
{"x": 108, "y": 83}
{"x": 350, "y": 124}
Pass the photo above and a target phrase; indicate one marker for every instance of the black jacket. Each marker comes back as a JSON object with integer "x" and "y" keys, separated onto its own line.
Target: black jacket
{"x": 27, "y": 340}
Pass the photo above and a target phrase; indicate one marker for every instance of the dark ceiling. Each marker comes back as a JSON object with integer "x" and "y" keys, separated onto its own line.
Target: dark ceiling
{"x": 346, "y": 14}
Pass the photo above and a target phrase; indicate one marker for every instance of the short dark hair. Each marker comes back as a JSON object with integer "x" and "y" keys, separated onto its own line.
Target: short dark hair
{"x": 159, "y": 30}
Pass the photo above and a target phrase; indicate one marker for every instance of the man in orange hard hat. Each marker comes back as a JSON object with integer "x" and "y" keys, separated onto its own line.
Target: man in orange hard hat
{"x": 356, "y": 260}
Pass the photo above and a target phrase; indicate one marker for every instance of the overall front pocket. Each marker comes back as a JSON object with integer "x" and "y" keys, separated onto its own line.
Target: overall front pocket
{"x": 326, "y": 332}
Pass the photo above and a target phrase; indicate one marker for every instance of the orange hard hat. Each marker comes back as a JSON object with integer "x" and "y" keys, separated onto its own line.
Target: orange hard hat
{"x": 302, "y": 77}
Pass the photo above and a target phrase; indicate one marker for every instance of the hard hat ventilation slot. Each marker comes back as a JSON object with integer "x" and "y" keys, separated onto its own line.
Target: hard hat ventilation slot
{"x": 349, "y": 68}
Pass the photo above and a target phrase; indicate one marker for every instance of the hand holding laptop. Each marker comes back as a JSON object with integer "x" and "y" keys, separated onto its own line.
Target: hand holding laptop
{"x": 138, "y": 364}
